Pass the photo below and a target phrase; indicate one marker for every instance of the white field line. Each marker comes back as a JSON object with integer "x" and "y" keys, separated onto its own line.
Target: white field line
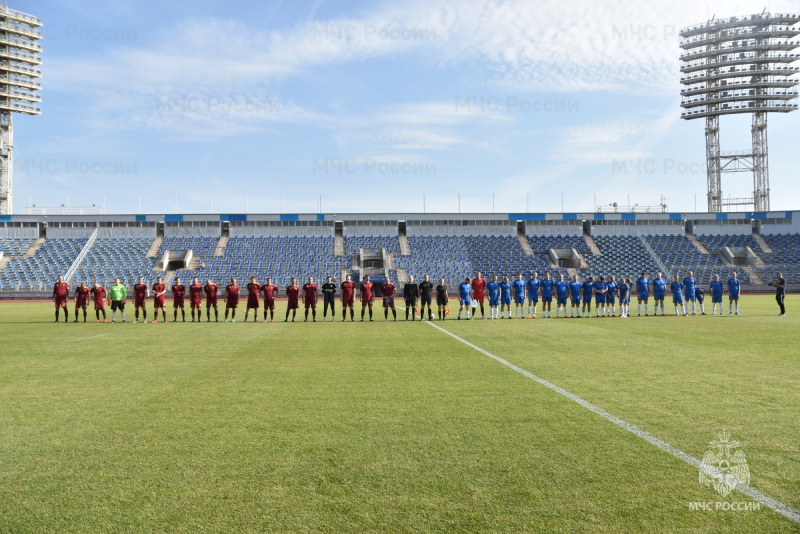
{"x": 747, "y": 490}
{"x": 90, "y": 337}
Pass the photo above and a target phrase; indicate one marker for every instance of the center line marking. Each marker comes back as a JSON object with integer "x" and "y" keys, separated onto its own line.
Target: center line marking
{"x": 784, "y": 510}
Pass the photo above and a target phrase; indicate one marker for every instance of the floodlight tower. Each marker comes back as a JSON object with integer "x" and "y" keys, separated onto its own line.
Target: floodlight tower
{"x": 18, "y": 86}
{"x": 739, "y": 65}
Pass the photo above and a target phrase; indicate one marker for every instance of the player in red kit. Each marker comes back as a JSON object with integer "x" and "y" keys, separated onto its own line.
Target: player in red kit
{"x": 310, "y": 290}
{"x": 478, "y": 287}
{"x": 99, "y": 295}
{"x": 60, "y": 295}
{"x": 270, "y": 291}
{"x": 159, "y": 299}
{"x": 292, "y": 294}
{"x": 348, "y": 288}
{"x": 367, "y": 297}
{"x": 252, "y": 299}
{"x": 387, "y": 292}
{"x": 232, "y": 291}
{"x": 81, "y": 300}
{"x": 196, "y": 299}
{"x": 178, "y": 294}
{"x": 140, "y": 293}
{"x": 210, "y": 290}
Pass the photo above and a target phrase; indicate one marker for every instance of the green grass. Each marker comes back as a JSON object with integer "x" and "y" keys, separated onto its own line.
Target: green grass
{"x": 384, "y": 427}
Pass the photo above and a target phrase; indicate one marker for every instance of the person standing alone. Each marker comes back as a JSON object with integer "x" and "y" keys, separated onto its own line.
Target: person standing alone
{"x": 780, "y": 291}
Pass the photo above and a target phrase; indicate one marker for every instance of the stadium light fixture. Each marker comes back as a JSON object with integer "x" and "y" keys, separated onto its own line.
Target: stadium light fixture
{"x": 19, "y": 88}
{"x": 732, "y": 66}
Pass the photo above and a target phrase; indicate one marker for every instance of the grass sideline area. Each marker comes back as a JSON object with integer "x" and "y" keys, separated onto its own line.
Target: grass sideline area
{"x": 386, "y": 427}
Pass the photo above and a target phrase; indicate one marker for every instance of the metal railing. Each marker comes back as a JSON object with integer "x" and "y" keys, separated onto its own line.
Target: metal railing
{"x": 84, "y": 251}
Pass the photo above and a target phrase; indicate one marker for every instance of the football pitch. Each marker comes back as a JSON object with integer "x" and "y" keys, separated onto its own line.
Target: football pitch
{"x": 396, "y": 427}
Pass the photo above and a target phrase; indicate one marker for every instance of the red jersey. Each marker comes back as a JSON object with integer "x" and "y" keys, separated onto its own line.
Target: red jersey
{"x": 159, "y": 288}
{"x": 387, "y": 290}
{"x": 252, "y": 291}
{"x": 139, "y": 293}
{"x": 99, "y": 294}
{"x": 292, "y": 293}
{"x": 366, "y": 291}
{"x": 310, "y": 292}
{"x": 478, "y": 285}
{"x": 348, "y": 291}
{"x": 178, "y": 291}
{"x": 211, "y": 293}
{"x": 269, "y": 291}
{"x": 196, "y": 293}
{"x": 82, "y": 296}
{"x": 61, "y": 290}
{"x": 232, "y": 292}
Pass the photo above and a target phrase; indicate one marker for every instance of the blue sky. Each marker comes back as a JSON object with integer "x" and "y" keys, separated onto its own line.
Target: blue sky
{"x": 212, "y": 105}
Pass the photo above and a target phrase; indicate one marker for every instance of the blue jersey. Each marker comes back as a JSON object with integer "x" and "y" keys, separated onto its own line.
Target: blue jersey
{"x": 494, "y": 290}
{"x": 612, "y": 291}
{"x": 519, "y": 290}
{"x": 677, "y": 290}
{"x": 599, "y": 289}
{"x": 716, "y": 288}
{"x": 689, "y": 284}
{"x": 623, "y": 289}
{"x": 505, "y": 290}
{"x": 642, "y": 285}
{"x": 547, "y": 288}
{"x": 700, "y": 294}
{"x": 533, "y": 288}
{"x": 587, "y": 290}
{"x": 575, "y": 290}
{"x": 659, "y": 287}
{"x": 463, "y": 290}
{"x": 733, "y": 286}
{"x": 561, "y": 289}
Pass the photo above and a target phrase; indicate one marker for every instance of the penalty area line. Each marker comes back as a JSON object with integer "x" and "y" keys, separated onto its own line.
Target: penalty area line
{"x": 766, "y": 500}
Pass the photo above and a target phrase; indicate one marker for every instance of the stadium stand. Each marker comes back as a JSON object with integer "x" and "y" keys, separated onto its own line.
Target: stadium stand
{"x": 39, "y": 271}
{"x": 112, "y": 257}
{"x": 449, "y": 255}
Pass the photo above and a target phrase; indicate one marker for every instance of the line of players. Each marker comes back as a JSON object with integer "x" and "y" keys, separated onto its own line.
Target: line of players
{"x": 606, "y": 293}
{"x": 472, "y": 293}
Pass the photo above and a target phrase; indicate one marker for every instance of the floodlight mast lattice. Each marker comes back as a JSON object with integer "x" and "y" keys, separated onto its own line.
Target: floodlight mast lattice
{"x": 19, "y": 87}
{"x": 732, "y": 66}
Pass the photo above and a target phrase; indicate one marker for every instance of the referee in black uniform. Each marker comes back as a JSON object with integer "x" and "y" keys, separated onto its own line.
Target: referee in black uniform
{"x": 411, "y": 294}
{"x": 425, "y": 292}
{"x": 328, "y": 293}
{"x": 780, "y": 291}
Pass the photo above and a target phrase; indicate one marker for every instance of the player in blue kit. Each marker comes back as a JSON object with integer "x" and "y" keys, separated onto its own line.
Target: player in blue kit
{"x": 494, "y": 296}
{"x": 659, "y": 291}
{"x": 505, "y": 297}
{"x": 700, "y": 295}
{"x": 600, "y": 290}
{"x": 519, "y": 297}
{"x": 464, "y": 296}
{"x": 642, "y": 291}
{"x": 716, "y": 295}
{"x": 547, "y": 295}
{"x": 575, "y": 296}
{"x": 588, "y": 291}
{"x": 689, "y": 284}
{"x": 611, "y": 296}
{"x": 624, "y": 290}
{"x": 677, "y": 295}
{"x": 733, "y": 292}
{"x": 533, "y": 295}
{"x": 561, "y": 286}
